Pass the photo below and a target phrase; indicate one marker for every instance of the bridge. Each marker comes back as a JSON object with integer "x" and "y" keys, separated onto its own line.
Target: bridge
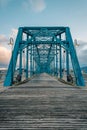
{"x": 41, "y": 101}
{"x": 43, "y": 49}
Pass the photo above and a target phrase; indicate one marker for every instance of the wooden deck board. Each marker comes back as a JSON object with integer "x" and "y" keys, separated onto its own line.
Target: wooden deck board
{"x": 43, "y": 104}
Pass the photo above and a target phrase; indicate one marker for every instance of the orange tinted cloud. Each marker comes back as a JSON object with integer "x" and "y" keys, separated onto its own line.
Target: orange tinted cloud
{"x": 5, "y": 55}
{"x": 3, "y": 38}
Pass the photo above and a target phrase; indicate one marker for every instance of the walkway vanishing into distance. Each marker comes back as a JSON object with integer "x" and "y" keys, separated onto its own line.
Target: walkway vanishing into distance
{"x": 43, "y": 103}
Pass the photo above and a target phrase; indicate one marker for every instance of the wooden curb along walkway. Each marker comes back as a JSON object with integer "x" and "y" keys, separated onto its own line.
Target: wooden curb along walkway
{"x": 43, "y": 104}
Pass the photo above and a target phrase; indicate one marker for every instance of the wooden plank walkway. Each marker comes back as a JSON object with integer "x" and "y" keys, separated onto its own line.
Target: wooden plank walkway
{"x": 43, "y": 104}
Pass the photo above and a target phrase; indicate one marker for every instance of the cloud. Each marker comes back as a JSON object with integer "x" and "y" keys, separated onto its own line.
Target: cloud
{"x": 4, "y": 52}
{"x": 3, "y": 43}
{"x": 82, "y": 52}
{"x": 5, "y": 49}
{"x": 3, "y": 38}
{"x": 35, "y": 5}
{"x": 4, "y": 55}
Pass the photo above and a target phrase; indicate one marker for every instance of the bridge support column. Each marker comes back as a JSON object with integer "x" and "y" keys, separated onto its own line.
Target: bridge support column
{"x": 74, "y": 59}
{"x": 20, "y": 63}
{"x": 67, "y": 62}
{"x": 60, "y": 62}
{"x": 27, "y": 62}
{"x": 56, "y": 60}
{"x": 30, "y": 60}
{"x": 33, "y": 59}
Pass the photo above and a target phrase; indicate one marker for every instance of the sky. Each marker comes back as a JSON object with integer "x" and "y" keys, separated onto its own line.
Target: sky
{"x": 16, "y": 13}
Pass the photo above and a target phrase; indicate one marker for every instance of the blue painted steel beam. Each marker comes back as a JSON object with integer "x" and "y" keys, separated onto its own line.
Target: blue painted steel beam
{"x": 58, "y": 42}
{"x": 20, "y": 63}
{"x": 74, "y": 59}
{"x": 56, "y": 60}
{"x": 49, "y": 28}
{"x": 10, "y": 71}
{"x": 30, "y": 61}
{"x": 60, "y": 62}
{"x": 27, "y": 64}
{"x": 67, "y": 62}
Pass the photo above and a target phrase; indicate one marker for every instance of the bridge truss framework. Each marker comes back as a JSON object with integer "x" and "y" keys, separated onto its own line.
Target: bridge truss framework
{"x": 43, "y": 49}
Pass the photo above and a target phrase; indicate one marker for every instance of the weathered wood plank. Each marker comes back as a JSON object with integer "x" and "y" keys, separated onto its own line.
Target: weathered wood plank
{"x": 43, "y": 104}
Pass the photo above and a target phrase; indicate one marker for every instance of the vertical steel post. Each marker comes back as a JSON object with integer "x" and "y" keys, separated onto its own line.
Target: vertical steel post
{"x": 33, "y": 66}
{"x": 27, "y": 62}
{"x": 27, "y": 59}
{"x": 67, "y": 62}
{"x": 12, "y": 65}
{"x": 60, "y": 62}
{"x": 56, "y": 61}
{"x": 33, "y": 59}
{"x": 20, "y": 64}
{"x": 30, "y": 60}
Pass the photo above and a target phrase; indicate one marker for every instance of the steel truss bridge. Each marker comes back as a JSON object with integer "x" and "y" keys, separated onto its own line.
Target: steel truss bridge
{"x": 43, "y": 49}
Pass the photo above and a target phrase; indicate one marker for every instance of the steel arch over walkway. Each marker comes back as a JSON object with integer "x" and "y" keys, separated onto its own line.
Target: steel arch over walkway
{"x": 44, "y": 49}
